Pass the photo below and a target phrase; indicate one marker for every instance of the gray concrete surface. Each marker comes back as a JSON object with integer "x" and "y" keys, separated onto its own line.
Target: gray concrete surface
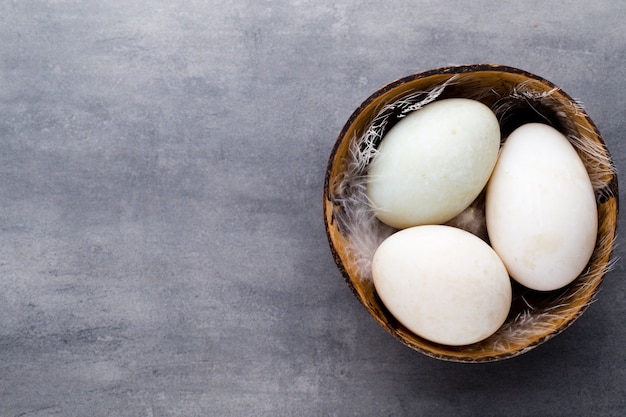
{"x": 162, "y": 248}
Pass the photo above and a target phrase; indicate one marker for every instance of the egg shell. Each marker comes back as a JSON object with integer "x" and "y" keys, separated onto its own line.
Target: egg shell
{"x": 442, "y": 283}
{"x": 433, "y": 163}
{"x": 541, "y": 211}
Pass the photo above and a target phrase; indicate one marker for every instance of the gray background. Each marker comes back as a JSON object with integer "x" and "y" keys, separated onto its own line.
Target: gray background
{"x": 162, "y": 247}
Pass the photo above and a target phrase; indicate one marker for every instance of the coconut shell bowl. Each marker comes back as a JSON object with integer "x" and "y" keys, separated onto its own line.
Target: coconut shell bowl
{"x": 516, "y": 97}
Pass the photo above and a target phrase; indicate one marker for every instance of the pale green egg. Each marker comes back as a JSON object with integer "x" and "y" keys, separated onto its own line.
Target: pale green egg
{"x": 433, "y": 163}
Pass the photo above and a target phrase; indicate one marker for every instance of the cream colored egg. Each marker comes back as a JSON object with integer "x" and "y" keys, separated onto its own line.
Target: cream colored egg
{"x": 541, "y": 211}
{"x": 444, "y": 284}
{"x": 433, "y": 163}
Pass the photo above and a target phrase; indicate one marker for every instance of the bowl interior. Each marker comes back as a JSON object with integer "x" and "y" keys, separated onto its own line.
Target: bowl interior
{"x": 517, "y": 97}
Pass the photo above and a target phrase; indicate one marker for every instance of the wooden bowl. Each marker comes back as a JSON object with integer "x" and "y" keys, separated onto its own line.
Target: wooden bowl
{"x": 517, "y": 97}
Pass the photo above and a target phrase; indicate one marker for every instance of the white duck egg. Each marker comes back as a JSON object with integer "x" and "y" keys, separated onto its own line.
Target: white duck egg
{"x": 433, "y": 163}
{"x": 442, "y": 283}
{"x": 541, "y": 211}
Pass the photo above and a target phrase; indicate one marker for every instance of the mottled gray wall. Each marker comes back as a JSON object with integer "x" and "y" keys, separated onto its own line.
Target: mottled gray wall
{"x": 162, "y": 248}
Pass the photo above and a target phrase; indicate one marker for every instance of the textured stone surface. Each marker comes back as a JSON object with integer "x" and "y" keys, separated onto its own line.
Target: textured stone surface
{"x": 162, "y": 248}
